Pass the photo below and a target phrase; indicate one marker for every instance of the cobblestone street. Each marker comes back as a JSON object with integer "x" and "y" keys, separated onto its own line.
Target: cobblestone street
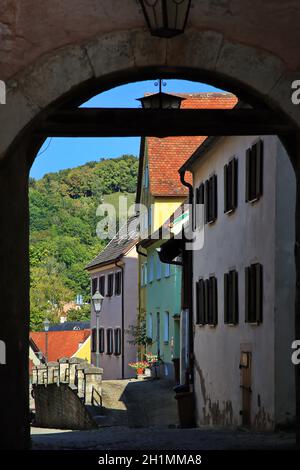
{"x": 142, "y": 414}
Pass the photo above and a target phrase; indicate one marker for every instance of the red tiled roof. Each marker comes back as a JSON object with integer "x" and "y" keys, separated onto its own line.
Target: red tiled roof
{"x": 60, "y": 343}
{"x": 166, "y": 155}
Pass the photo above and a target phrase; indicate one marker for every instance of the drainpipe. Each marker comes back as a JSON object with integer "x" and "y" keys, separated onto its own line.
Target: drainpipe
{"x": 122, "y": 321}
{"x": 188, "y": 284}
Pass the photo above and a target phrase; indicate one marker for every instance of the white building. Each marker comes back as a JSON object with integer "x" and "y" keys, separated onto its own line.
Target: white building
{"x": 244, "y": 278}
{"x": 114, "y": 272}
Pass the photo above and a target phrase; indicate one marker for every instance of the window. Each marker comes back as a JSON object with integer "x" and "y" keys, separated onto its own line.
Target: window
{"x": 151, "y": 268}
{"x": 110, "y": 285}
{"x": 109, "y": 341}
{"x": 212, "y": 301}
{"x": 118, "y": 282}
{"x": 231, "y": 300}
{"x": 101, "y": 340}
{"x": 94, "y": 339}
{"x": 102, "y": 285}
{"x": 230, "y": 185}
{"x": 200, "y": 303}
{"x": 118, "y": 346}
{"x": 166, "y": 327}
{"x": 145, "y": 274}
{"x": 210, "y": 197}
{"x": 207, "y": 301}
{"x": 150, "y": 325}
{"x": 167, "y": 270}
{"x": 158, "y": 268}
{"x": 254, "y": 293}
{"x": 198, "y": 207}
{"x": 254, "y": 171}
{"x": 94, "y": 285}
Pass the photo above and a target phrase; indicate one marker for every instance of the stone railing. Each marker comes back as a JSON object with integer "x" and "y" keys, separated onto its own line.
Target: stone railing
{"x": 77, "y": 373}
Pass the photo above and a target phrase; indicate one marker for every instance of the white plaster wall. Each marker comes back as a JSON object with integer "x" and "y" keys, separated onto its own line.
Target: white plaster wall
{"x": 235, "y": 241}
{"x": 285, "y": 287}
{"x": 111, "y": 317}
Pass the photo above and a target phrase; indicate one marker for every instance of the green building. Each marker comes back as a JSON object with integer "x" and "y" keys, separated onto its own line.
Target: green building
{"x": 162, "y": 285}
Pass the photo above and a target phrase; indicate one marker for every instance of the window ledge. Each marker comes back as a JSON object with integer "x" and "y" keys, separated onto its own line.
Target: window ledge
{"x": 252, "y": 201}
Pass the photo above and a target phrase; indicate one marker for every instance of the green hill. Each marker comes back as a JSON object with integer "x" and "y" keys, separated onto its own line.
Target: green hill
{"x": 63, "y": 230}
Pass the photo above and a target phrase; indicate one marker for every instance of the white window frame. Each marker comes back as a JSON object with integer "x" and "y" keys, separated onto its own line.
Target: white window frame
{"x": 150, "y": 325}
{"x": 158, "y": 268}
{"x": 151, "y": 268}
{"x": 166, "y": 327}
{"x": 167, "y": 270}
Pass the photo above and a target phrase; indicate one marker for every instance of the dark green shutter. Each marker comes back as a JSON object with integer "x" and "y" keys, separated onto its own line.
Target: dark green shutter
{"x": 248, "y": 156}
{"x": 235, "y": 302}
{"x": 226, "y": 205}
{"x": 214, "y": 191}
{"x": 226, "y": 297}
{"x": 247, "y": 294}
{"x": 259, "y": 168}
{"x": 234, "y": 186}
{"x": 258, "y": 292}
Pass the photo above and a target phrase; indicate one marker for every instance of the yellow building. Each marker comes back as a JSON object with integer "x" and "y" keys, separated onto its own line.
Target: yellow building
{"x": 84, "y": 350}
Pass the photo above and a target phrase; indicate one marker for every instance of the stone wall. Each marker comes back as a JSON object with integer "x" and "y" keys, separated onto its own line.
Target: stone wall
{"x": 67, "y": 394}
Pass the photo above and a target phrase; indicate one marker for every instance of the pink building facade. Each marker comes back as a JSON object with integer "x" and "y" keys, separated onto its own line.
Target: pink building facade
{"x": 114, "y": 272}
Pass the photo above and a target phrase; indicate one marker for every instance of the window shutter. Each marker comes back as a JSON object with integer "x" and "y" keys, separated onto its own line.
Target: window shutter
{"x": 200, "y": 292}
{"x": 207, "y": 201}
{"x": 214, "y": 301}
{"x": 109, "y": 335}
{"x": 234, "y": 187}
{"x": 247, "y": 294}
{"x": 259, "y": 168}
{"x": 214, "y": 198}
{"x": 258, "y": 292}
{"x": 102, "y": 285}
{"x": 226, "y": 309}
{"x": 235, "y": 303}
{"x": 206, "y": 301}
{"x": 117, "y": 341}
{"x": 230, "y": 185}
{"x": 94, "y": 340}
{"x": 248, "y": 156}
{"x": 110, "y": 285}
{"x": 226, "y": 204}
{"x": 101, "y": 338}
{"x": 94, "y": 285}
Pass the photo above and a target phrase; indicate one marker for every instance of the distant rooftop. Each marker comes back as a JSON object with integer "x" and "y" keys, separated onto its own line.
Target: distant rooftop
{"x": 119, "y": 245}
{"x": 70, "y": 326}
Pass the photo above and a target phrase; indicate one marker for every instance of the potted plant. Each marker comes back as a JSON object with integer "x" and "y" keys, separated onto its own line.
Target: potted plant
{"x": 154, "y": 361}
{"x": 139, "y": 366}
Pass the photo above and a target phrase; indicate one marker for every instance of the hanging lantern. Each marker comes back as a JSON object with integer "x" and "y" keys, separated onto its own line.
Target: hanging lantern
{"x": 166, "y": 18}
{"x": 161, "y": 101}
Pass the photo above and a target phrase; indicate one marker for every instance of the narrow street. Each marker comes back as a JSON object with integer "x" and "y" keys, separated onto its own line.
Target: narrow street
{"x": 142, "y": 414}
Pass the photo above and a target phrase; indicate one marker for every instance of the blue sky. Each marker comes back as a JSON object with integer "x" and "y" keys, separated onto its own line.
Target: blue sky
{"x": 59, "y": 153}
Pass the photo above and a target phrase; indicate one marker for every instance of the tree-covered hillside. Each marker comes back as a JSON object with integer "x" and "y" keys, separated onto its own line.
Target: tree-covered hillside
{"x": 63, "y": 230}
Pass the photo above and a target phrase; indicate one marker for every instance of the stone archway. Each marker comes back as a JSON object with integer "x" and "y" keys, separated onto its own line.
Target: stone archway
{"x": 74, "y": 73}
